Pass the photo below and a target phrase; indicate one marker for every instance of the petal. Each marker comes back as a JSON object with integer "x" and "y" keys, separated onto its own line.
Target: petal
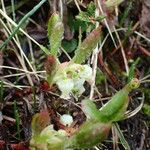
{"x": 65, "y": 86}
{"x": 86, "y": 73}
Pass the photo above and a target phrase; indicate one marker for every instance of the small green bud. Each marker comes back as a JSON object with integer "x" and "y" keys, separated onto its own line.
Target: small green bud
{"x": 134, "y": 83}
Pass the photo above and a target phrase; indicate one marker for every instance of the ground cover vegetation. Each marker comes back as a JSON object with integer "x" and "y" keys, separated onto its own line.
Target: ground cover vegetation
{"x": 74, "y": 74}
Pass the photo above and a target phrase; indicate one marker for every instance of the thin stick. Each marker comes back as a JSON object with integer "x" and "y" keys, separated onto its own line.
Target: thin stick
{"x": 61, "y": 8}
{"x": 94, "y": 58}
{"x": 9, "y": 119}
{"x": 26, "y": 71}
{"x": 6, "y": 84}
{"x": 144, "y": 78}
{"x": 77, "y": 5}
{"x": 145, "y": 81}
{"x": 31, "y": 53}
{"x": 122, "y": 51}
{"x": 21, "y": 74}
{"x": 66, "y": 53}
{"x": 146, "y": 52}
{"x": 106, "y": 23}
{"x": 13, "y": 9}
{"x": 144, "y": 37}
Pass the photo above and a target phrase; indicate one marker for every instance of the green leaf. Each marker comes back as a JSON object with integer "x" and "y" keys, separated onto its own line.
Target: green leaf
{"x": 146, "y": 109}
{"x": 89, "y": 134}
{"x": 44, "y": 49}
{"x": 69, "y": 46}
{"x": 115, "y": 109}
{"x": 87, "y": 46}
{"x": 85, "y": 15}
{"x": 56, "y": 38}
{"x": 91, "y": 9}
{"x": 100, "y": 18}
{"x": 82, "y": 25}
{"x": 126, "y": 13}
{"x": 17, "y": 118}
{"x": 54, "y": 19}
{"x": 90, "y": 110}
{"x": 55, "y": 33}
{"x": 86, "y": 19}
{"x": 121, "y": 137}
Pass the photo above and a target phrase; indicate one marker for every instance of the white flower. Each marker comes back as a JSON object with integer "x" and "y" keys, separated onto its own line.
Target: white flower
{"x": 66, "y": 120}
{"x": 86, "y": 73}
{"x": 71, "y": 78}
{"x": 65, "y": 86}
{"x": 78, "y": 85}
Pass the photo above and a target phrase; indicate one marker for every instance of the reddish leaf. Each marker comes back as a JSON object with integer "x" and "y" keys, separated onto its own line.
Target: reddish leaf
{"x": 40, "y": 121}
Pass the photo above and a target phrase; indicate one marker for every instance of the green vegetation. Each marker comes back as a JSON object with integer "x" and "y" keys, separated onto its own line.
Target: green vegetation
{"x": 75, "y": 77}
{"x": 96, "y": 127}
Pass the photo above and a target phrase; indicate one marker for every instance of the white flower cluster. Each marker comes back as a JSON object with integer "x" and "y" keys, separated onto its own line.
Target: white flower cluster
{"x": 70, "y": 79}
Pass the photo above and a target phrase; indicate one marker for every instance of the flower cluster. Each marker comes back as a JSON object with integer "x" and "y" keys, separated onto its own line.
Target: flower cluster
{"x": 71, "y": 77}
